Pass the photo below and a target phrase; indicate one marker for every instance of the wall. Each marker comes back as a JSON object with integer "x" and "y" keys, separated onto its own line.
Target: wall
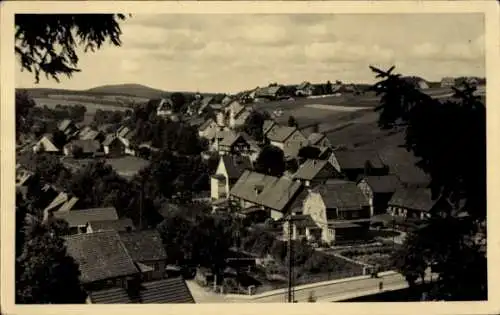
{"x": 314, "y": 206}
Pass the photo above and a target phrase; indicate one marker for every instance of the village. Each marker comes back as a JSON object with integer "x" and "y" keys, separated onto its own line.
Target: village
{"x": 346, "y": 209}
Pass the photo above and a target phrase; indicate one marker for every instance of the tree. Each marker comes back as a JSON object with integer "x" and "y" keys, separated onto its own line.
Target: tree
{"x": 254, "y": 123}
{"x": 271, "y": 161}
{"x": 46, "y": 43}
{"x": 292, "y": 122}
{"x": 445, "y": 136}
{"x": 24, "y": 105}
{"x": 45, "y": 273}
{"x": 178, "y": 101}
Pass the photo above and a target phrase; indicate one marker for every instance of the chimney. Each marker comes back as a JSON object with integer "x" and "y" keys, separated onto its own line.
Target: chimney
{"x": 258, "y": 189}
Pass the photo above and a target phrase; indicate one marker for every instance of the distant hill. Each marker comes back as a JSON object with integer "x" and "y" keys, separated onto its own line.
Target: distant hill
{"x": 138, "y": 90}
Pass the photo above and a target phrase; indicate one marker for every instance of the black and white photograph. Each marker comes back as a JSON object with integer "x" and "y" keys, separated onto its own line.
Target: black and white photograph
{"x": 232, "y": 157}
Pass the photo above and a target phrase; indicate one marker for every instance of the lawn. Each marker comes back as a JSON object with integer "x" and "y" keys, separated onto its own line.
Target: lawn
{"x": 127, "y": 166}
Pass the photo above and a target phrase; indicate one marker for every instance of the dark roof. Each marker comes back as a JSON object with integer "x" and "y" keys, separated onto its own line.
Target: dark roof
{"x": 382, "y": 184}
{"x": 268, "y": 124}
{"x": 117, "y": 225}
{"x": 311, "y": 168}
{"x": 236, "y": 165}
{"x": 343, "y": 195}
{"x": 403, "y": 164}
{"x": 276, "y": 193}
{"x": 88, "y": 145}
{"x": 413, "y": 198}
{"x": 109, "y": 139}
{"x": 100, "y": 255}
{"x": 268, "y": 91}
{"x": 82, "y": 217}
{"x": 357, "y": 159}
{"x": 315, "y": 137}
{"x": 280, "y": 133}
{"x": 207, "y": 123}
{"x": 144, "y": 245}
{"x": 172, "y": 290}
{"x": 230, "y": 138}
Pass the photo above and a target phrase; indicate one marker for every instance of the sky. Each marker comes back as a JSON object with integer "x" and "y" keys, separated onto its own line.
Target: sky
{"x": 234, "y": 52}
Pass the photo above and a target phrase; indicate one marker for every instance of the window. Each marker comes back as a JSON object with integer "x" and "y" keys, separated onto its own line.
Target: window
{"x": 156, "y": 266}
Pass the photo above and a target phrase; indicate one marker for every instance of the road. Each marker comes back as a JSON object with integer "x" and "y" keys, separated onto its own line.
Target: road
{"x": 329, "y": 292}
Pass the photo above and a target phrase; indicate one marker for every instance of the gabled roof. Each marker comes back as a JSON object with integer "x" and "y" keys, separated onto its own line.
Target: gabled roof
{"x": 68, "y": 205}
{"x": 230, "y": 138}
{"x": 303, "y": 85}
{"x": 88, "y": 146}
{"x": 236, "y": 107}
{"x": 172, "y": 290}
{"x": 280, "y": 193}
{"x": 100, "y": 256}
{"x": 413, "y": 198}
{"x": 109, "y": 139}
{"x": 244, "y": 188}
{"x": 82, "y": 217}
{"x": 60, "y": 199}
{"x": 343, "y": 195}
{"x": 145, "y": 245}
{"x": 123, "y": 131}
{"x": 119, "y": 225}
{"x": 268, "y": 124}
{"x": 280, "y": 133}
{"x": 90, "y": 135}
{"x": 164, "y": 104}
{"x": 84, "y": 131}
{"x": 64, "y": 124}
{"x": 236, "y": 165}
{"x": 402, "y": 164}
{"x": 47, "y": 142}
{"x": 311, "y": 168}
{"x": 382, "y": 184}
{"x": 268, "y": 91}
{"x": 357, "y": 159}
{"x": 206, "y": 124}
{"x": 315, "y": 137}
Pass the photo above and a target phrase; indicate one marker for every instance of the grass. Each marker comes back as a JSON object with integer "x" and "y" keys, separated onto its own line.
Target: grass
{"x": 128, "y": 166}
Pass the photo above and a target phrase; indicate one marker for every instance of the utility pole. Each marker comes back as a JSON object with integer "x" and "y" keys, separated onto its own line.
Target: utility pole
{"x": 290, "y": 261}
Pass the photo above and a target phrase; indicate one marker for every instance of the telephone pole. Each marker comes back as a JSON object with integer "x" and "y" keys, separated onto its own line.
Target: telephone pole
{"x": 290, "y": 261}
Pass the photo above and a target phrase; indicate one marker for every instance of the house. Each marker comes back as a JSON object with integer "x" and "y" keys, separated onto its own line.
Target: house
{"x": 46, "y": 145}
{"x": 23, "y": 177}
{"x": 272, "y": 92}
{"x": 414, "y": 203}
{"x": 103, "y": 260}
{"x": 318, "y": 139}
{"x": 379, "y": 190}
{"x": 87, "y": 133}
{"x": 146, "y": 250}
{"x": 115, "y": 146}
{"x": 172, "y": 290}
{"x": 267, "y": 126}
{"x": 57, "y": 202}
{"x": 229, "y": 170}
{"x": 238, "y": 143}
{"x": 417, "y": 82}
{"x": 78, "y": 220}
{"x": 70, "y": 204}
{"x": 208, "y": 129}
{"x": 448, "y": 82}
{"x": 205, "y": 102}
{"x": 68, "y": 127}
{"x": 288, "y": 139}
{"x": 83, "y": 148}
{"x": 356, "y": 163}
{"x": 226, "y": 100}
{"x": 402, "y": 164}
{"x": 313, "y": 172}
{"x": 120, "y": 225}
{"x": 304, "y": 89}
{"x": 273, "y": 194}
{"x": 164, "y": 108}
{"x": 339, "y": 210}
{"x": 238, "y": 114}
